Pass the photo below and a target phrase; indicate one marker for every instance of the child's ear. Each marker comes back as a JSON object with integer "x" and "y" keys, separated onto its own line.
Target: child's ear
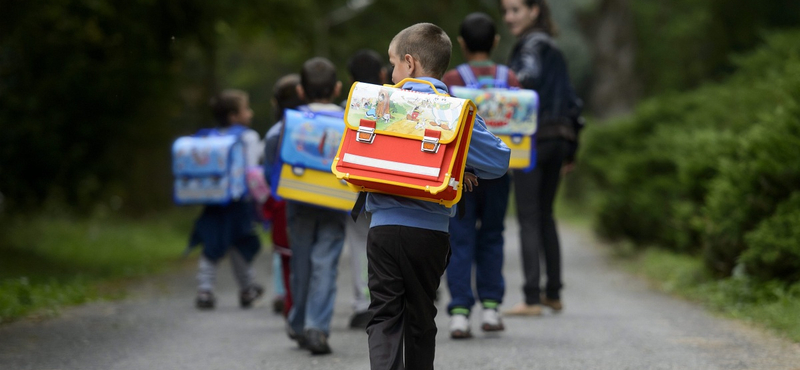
{"x": 463, "y": 45}
{"x": 300, "y": 92}
{"x": 412, "y": 64}
{"x": 338, "y": 89}
{"x": 496, "y": 41}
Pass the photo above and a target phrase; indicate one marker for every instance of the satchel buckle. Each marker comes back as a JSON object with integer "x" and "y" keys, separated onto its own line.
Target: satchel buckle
{"x": 430, "y": 141}
{"x": 366, "y": 132}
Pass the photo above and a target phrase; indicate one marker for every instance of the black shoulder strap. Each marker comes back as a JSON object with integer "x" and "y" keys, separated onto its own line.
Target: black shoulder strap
{"x": 358, "y": 207}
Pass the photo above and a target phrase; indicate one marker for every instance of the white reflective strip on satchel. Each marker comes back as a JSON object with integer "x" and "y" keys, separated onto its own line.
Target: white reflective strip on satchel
{"x": 391, "y": 165}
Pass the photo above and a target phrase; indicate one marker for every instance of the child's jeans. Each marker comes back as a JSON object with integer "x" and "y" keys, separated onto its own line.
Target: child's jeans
{"x": 316, "y": 236}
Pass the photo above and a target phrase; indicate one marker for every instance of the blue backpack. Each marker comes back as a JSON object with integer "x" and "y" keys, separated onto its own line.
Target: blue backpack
{"x": 209, "y": 167}
{"x": 308, "y": 146}
{"x": 509, "y": 112}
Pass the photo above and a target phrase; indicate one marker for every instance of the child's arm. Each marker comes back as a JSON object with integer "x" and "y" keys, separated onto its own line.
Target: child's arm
{"x": 488, "y": 156}
{"x": 254, "y": 148}
{"x": 271, "y": 143}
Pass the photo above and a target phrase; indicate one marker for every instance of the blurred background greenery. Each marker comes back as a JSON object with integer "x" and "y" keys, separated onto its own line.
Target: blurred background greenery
{"x": 692, "y": 145}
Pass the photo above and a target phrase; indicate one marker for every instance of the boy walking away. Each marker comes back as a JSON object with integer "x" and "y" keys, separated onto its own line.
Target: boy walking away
{"x": 477, "y": 237}
{"x": 407, "y": 246}
{"x": 221, "y": 228}
{"x": 364, "y": 66}
{"x": 316, "y": 234}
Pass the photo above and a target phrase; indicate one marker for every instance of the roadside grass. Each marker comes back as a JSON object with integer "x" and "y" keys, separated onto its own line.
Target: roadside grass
{"x": 48, "y": 262}
{"x": 771, "y": 305}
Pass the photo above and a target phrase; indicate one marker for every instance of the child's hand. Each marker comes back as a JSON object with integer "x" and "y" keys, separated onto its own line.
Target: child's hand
{"x": 470, "y": 180}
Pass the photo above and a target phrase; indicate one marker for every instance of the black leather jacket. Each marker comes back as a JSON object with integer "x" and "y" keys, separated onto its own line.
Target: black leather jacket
{"x": 540, "y": 66}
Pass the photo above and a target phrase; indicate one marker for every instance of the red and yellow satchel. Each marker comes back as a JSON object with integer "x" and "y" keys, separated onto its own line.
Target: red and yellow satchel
{"x": 404, "y": 142}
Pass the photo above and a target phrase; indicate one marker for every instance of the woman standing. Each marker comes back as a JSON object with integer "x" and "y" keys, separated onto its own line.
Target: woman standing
{"x": 540, "y": 66}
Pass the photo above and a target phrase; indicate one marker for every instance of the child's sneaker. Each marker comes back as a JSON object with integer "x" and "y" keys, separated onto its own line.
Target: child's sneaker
{"x": 459, "y": 327}
{"x": 491, "y": 320}
{"x": 205, "y": 300}
{"x": 249, "y": 295}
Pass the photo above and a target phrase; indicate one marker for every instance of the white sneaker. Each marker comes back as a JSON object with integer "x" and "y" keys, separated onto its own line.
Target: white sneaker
{"x": 459, "y": 327}
{"x": 491, "y": 320}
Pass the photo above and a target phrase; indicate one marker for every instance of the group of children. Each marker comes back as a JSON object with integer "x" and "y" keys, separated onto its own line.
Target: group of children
{"x": 407, "y": 243}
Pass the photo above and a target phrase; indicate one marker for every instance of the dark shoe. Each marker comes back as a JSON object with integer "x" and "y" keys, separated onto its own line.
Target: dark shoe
{"x": 317, "y": 342}
{"x": 205, "y": 300}
{"x": 554, "y": 304}
{"x": 250, "y": 295}
{"x": 299, "y": 338}
{"x": 277, "y": 305}
{"x": 359, "y": 320}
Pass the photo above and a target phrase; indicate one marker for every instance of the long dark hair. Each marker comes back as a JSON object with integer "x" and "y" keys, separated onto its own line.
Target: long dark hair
{"x": 544, "y": 22}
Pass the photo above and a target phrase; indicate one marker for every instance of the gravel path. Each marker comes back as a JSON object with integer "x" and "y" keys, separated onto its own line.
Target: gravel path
{"x": 610, "y": 321}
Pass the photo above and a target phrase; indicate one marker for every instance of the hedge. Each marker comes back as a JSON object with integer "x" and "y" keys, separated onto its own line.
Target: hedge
{"x": 708, "y": 172}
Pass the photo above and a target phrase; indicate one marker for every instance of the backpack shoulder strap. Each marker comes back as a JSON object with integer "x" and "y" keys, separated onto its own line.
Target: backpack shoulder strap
{"x": 235, "y": 130}
{"x": 466, "y": 74}
{"x": 204, "y": 132}
{"x": 501, "y": 76}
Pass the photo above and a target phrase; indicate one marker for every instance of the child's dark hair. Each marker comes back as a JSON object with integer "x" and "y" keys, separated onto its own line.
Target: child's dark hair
{"x": 365, "y": 66}
{"x": 318, "y": 78}
{"x": 285, "y": 94}
{"x": 545, "y": 20}
{"x": 225, "y": 103}
{"x": 478, "y": 31}
{"x": 427, "y": 43}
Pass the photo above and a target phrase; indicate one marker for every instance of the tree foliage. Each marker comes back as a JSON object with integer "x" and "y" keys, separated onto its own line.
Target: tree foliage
{"x": 683, "y": 43}
{"x": 94, "y": 91}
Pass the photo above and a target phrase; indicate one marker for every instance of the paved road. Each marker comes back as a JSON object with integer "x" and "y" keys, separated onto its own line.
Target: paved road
{"x": 611, "y": 321}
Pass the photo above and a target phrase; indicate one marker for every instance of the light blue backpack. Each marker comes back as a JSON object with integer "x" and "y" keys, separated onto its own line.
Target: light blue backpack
{"x": 209, "y": 167}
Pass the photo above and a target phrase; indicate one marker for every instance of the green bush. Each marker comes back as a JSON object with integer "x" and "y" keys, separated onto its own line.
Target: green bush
{"x": 773, "y": 247}
{"x": 763, "y": 172}
{"x": 698, "y": 171}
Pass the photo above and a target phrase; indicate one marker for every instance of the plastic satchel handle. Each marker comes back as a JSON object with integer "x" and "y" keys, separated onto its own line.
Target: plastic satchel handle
{"x": 409, "y": 79}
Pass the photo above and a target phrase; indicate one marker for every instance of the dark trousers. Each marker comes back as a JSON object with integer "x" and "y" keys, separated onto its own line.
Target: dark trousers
{"x": 405, "y": 265}
{"x": 476, "y": 240}
{"x": 535, "y": 192}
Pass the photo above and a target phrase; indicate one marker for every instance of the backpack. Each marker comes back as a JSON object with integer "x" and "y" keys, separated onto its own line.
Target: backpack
{"x": 405, "y": 143}
{"x": 509, "y": 113}
{"x": 308, "y": 145}
{"x": 209, "y": 167}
